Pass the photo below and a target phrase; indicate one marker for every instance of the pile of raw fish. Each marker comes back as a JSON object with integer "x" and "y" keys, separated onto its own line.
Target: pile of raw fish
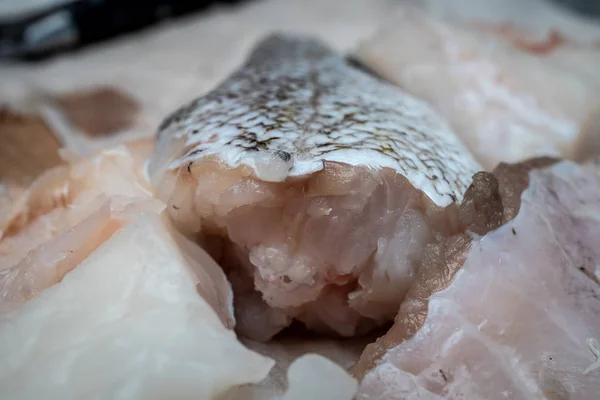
{"x": 421, "y": 223}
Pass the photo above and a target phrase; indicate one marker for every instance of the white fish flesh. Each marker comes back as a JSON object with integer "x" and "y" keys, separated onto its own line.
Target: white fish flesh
{"x": 128, "y": 322}
{"x": 312, "y": 183}
{"x": 512, "y": 314}
{"x": 67, "y": 213}
{"x": 507, "y": 99}
{"x": 309, "y": 376}
{"x": 138, "y": 313}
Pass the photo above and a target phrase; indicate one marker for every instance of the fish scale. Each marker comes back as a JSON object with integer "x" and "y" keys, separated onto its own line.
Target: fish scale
{"x": 296, "y": 97}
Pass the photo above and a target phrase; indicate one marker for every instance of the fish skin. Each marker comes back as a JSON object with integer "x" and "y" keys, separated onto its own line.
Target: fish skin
{"x": 518, "y": 314}
{"x": 295, "y": 104}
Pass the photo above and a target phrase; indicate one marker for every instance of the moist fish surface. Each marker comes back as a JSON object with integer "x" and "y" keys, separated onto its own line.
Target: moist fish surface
{"x": 127, "y": 322}
{"x": 312, "y": 183}
{"x": 115, "y": 303}
{"x": 67, "y": 212}
{"x": 508, "y": 97}
{"x": 511, "y": 313}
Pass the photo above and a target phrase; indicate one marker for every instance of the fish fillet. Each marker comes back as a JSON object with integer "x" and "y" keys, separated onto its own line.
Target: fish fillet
{"x": 69, "y": 211}
{"x": 312, "y": 183}
{"x": 309, "y": 376}
{"x": 507, "y": 99}
{"x": 512, "y": 314}
{"x": 126, "y": 323}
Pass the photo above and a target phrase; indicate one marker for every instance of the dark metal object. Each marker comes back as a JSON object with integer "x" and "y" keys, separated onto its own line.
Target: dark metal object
{"x": 81, "y": 22}
{"x": 588, "y": 8}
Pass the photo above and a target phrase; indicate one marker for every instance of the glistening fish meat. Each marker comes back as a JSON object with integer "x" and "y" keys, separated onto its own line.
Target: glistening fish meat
{"x": 311, "y": 182}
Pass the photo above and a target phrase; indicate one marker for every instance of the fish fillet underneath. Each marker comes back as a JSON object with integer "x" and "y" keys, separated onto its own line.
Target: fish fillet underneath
{"x": 508, "y": 98}
{"x": 520, "y": 319}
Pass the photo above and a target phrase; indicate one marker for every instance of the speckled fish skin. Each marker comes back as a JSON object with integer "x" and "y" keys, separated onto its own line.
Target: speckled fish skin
{"x": 296, "y": 104}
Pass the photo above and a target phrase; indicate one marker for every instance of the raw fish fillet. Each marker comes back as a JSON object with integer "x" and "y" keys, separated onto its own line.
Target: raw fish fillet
{"x": 127, "y": 323}
{"x": 310, "y": 376}
{"x": 67, "y": 213}
{"x": 507, "y": 99}
{"x": 312, "y": 183}
{"x": 287, "y": 348}
{"x": 579, "y": 59}
{"x": 70, "y": 211}
{"x": 511, "y": 314}
{"x": 553, "y": 47}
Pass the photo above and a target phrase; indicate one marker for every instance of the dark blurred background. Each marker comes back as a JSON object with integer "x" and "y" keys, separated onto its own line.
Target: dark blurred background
{"x": 34, "y": 29}
{"x": 590, "y": 8}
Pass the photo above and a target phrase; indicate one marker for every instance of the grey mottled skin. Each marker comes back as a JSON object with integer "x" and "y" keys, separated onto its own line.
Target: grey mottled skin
{"x": 300, "y": 104}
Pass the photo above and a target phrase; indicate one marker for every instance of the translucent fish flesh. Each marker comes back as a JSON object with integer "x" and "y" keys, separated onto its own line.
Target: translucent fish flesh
{"x": 312, "y": 183}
